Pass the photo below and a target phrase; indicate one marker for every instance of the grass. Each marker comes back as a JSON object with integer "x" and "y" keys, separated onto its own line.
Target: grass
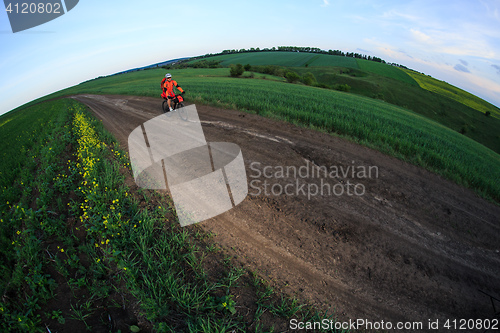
{"x": 23, "y": 263}
{"x": 382, "y": 126}
{"x": 451, "y": 113}
{"x": 445, "y": 89}
{"x": 296, "y": 59}
{"x": 439, "y": 101}
{"x": 392, "y": 72}
{"x": 289, "y": 59}
{"x": 376, "y": 124}
{"x": 79, "y": 247}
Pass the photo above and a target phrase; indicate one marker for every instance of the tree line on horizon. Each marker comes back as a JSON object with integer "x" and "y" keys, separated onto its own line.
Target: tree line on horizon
{"x": 304, "y": 49}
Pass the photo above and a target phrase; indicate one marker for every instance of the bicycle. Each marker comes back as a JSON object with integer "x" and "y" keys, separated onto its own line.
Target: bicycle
{"x": 177, "y": 105}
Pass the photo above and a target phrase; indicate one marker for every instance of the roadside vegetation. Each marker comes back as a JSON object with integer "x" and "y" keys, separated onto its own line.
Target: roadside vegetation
{"x": 82, "y": 251}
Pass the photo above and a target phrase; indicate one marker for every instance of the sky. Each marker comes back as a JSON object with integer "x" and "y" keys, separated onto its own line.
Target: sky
{"x": 457, "y": 41}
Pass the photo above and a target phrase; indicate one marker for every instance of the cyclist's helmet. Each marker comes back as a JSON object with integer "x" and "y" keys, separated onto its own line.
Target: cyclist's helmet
{"x": 168, "y": 76}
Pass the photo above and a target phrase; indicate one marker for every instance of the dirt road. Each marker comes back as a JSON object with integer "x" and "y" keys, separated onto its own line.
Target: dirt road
{"x": 361, "y": 233}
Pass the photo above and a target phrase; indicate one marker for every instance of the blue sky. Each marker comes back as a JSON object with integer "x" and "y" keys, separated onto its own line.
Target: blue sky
{"x": 455, "y": 41}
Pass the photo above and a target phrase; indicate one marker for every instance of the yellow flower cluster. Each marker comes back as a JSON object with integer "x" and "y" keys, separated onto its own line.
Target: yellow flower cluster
{"x": 87, "y": 144}
{"x": 89, "y": 148}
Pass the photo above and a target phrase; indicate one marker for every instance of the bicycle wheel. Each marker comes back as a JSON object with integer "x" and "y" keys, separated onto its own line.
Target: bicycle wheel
{"x": 164, "y": 106}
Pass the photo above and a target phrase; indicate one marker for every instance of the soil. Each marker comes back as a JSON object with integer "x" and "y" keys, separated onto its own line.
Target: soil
{"x": 400, "y": 244}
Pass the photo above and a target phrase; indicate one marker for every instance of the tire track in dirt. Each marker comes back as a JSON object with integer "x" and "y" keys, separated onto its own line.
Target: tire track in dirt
{"x": 414, "y": 247}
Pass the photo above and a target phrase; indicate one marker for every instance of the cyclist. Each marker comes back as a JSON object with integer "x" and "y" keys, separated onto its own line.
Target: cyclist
{"x": 167, "y": 85}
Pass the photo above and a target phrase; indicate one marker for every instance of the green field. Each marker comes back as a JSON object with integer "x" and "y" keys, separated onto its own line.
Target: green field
{"x": 454, "y": 93}
{"x": 391, "y": 129}
{"x": 290, "y": 59}
{"x": 19, "y": 133}
{"x": 446, "y": 111}
{"x": 436, "y": 100}
{"x": 392, "y": 72}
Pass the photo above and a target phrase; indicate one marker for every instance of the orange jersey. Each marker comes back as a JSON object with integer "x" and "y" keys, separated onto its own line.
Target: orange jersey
{"x": 168, "y": 86}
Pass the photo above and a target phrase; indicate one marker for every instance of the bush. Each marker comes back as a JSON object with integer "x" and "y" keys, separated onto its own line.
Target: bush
{"x": 322, "y": 85}
{"x": 292, "y": 76}
{"x": 309, "y": 79}
{"x": 270, "y": 69}
{"x": 248, "y": 67}
{"x": 343, "y": 87}
{"x": 236, "y": 70}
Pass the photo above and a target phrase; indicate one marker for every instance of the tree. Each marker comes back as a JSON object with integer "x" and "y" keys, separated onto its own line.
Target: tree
{"x": 309, "y": 79}
{"x": 248, "y": 67}
{"x": 236, "y": 70}
{"x": 343, "y": 87}
{"x": 292, "y": 77}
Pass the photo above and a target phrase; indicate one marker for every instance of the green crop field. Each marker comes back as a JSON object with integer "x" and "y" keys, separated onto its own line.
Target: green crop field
{"x": 454, "y": 93}
{"x": 392, "y": 72}
{"x": 436, "y": 100}
{"x": 391, "y": 129}
{"x": 446, "y": 111}
{"x": 291, "y": 59}
{"x": 302, "y": 59}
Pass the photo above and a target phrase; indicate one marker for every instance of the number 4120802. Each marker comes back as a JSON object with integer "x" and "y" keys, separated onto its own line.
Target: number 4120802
{"x": 34, "y": 8}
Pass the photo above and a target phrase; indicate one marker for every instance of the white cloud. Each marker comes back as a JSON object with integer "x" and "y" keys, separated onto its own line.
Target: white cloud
{"x": 491, "y": 9}
{"x": 396, "y": 15}
{"x": 457, "y": 43}
{"x": 461, "y": 29}
{"x": 325, "y": 3}
{"x": 388, "y": 50}
{"x": 420, "y": 36}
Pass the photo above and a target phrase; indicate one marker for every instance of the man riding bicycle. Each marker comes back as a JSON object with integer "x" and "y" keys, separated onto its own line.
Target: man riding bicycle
{"x": 167, "y": 85}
